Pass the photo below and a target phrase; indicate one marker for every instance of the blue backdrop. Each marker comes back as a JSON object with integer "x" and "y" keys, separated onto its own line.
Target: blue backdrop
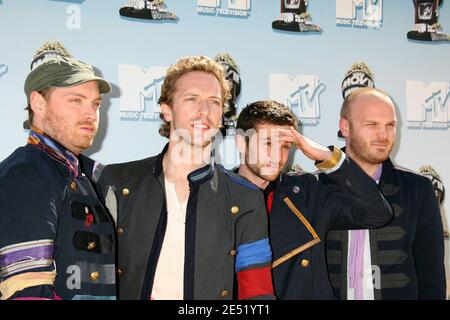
{"x": 133, "y": 55}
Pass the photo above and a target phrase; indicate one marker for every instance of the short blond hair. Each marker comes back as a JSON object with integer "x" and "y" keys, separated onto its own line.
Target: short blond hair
{"x": 186, "y": 65}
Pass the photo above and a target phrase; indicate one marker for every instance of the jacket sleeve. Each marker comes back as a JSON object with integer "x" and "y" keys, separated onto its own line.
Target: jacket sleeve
{"x": 428, "y": 246}
{"x": 28, "y": 222}
{"x": 254, "y": 255}
{"x": 354, "y": 200}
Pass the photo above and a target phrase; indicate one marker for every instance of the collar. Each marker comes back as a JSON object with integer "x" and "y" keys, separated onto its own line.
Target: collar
{"x": 195, "y": 178}
{"x": 387, "y": 167}
{"x": 270, "y": 187}
{"x": 54, "y": 149}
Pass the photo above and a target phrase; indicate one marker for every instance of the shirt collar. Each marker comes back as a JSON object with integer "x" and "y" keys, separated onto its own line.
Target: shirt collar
{"x": 195, "y": 178}
{"x": 54, "y": 149}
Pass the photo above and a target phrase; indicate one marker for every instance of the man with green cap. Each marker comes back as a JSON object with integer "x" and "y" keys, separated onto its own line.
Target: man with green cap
{"x": 56, "y": 237}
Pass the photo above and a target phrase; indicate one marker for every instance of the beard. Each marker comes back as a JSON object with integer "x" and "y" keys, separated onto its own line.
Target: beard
{"x": 262, "y": 171}
{"x": 69, "y": 134}
{"x": 367, "y": 153}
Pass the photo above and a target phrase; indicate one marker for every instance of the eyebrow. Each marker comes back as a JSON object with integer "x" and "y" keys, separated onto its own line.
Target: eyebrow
{"x": 194, "y": 94}
{"x": 374, "y": 121}
{"x": 99, "y": 98}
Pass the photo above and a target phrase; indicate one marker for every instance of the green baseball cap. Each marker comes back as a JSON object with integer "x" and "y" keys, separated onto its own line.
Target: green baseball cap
{"x": 54, "y": 66}
{"x": 54, "y": 70}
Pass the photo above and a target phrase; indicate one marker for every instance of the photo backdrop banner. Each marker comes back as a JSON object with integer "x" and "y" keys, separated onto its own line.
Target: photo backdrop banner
{"x": 293, "y": 51}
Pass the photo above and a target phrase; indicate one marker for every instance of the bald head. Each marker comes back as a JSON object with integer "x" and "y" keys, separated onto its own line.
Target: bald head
{"x": 357, "y": 97}
{"x": 368, "y": 124}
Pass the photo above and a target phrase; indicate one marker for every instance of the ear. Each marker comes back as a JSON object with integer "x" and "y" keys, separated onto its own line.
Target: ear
{"x": 344, "y": 127}
{"x": 167, "y": 112}
{"x": 37, "y": 103}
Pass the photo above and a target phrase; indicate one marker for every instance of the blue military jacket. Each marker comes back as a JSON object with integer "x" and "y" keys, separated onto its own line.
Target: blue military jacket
{"x": 304, "y": 210}
{"x": 409, "y": 251}
{"x": 56, "y": 238}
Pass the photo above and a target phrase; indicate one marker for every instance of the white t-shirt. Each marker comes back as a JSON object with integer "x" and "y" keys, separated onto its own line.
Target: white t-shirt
{"x": 169, "y": 276}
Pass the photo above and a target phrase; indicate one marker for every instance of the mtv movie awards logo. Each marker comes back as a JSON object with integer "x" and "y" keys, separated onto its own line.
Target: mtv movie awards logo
{"x": 141, "y": 90}
{"x": 428, "y": 104}
{"x": 301, "y": 94}
{"x": 359, "y": 13}
{"x": 233, "y": 8}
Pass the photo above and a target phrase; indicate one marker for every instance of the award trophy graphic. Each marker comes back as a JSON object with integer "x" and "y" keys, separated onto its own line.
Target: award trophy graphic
{"x": 147, "y": 9}
{"x": 294, "y": 17}
{"x": 426, "y": 27}
{"x": 357, "y": 76}
{"x": 232, "y": 74}
{"x": 439, "y": 190}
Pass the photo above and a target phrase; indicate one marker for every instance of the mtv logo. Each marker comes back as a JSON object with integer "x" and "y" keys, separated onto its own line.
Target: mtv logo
{"x": 292, "y": 4}
{"x": 239, "y": 4}
{"x": 209, "y": 3}
{"x": 427, "y": 105}
{"x": 141, "y": 88}
{"x": 426, "y": 10}
{"x": 372, "y": 10}
{"x": 232, "y": 4}
{"x": 300, "y": 94}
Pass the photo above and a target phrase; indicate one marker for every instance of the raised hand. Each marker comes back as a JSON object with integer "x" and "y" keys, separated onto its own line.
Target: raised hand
{"x": 310, "y": 149}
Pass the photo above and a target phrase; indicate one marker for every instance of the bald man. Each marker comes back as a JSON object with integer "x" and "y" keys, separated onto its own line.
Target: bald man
{"x": 405, "y": 259}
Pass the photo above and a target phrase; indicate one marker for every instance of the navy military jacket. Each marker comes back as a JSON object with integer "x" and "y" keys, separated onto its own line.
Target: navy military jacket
{"x": 227, "y": 251}
{"x": 303, "y": 211}
{"x": 56, "y": 238}
{"x": 409, "y": 251}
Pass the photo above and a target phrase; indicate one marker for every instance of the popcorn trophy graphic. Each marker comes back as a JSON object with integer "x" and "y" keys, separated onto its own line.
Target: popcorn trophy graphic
{"x": 147, "y": 9}
{"x": 294, "y": 17}
{"x": 357, "y": 76}
{"x": 229, "y": 118}
{"x": 438, "y": 187}
{"x": 426, "y": 27}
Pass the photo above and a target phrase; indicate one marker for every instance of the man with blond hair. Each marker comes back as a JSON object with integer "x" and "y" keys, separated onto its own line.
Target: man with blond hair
{"x": 188, "y": 228}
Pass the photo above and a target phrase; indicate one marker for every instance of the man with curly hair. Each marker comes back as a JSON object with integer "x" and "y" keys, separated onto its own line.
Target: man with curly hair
{"x": 188, "y": 228}
{"x": 301, "y": 209}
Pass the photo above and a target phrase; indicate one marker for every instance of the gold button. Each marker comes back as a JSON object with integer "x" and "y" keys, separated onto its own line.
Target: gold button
{"x": 224, "y": 293}
{"x": 304, "y": 263}
{"x": 234, "y": 209}
{"x": 125, "y": 192}
{"x": 233, "y": 252}
{"x": 119, "y": 271}
{"x": 73, "y": 185}
{"x": 120, "y": 231}
{"x": 95, "y": 275}
{"x": 91, "y": 245}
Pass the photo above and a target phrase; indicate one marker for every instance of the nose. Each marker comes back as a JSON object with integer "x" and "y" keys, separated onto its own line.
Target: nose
{"x": 203, "y": 108}
{"x": 382, "y": 133}
{"x": 90, "y": 111}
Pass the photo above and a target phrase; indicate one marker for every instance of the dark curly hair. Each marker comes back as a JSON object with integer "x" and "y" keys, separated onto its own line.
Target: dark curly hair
{"x": 266, "y": 111}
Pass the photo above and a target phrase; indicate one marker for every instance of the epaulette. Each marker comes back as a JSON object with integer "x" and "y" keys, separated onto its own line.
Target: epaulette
{"x": 302, "y": 172}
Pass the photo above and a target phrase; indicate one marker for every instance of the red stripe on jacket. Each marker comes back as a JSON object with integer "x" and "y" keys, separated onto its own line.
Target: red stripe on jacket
{"x": 255, "y": 282}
